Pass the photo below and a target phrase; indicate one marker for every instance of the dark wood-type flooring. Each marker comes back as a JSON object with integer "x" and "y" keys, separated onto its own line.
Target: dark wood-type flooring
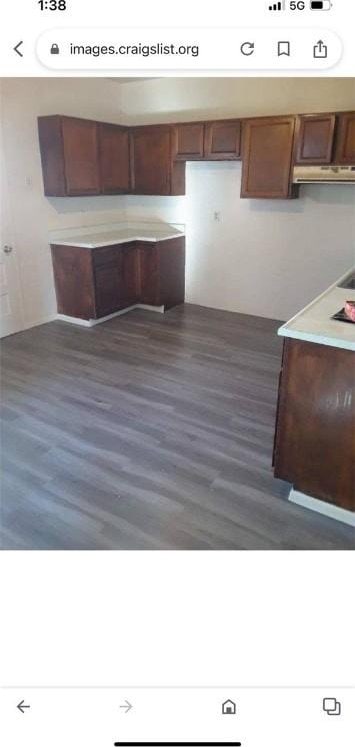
{"x": 148, "y": 432}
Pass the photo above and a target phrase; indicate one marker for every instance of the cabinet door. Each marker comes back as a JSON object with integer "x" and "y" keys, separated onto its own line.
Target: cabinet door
{"x": 130, "y": 274}
{"x": 114, "y": 159}
{"x": 109, "y": 289}
{"x": 171, "y": 272}
{"x": 148, "y": 286}
{"x": 189, "y": 141}
{"x": 267, "y": 157}
{"x": 315, "y": 138}
{"x": 223, "y": 140}
{"x": 52, "y": 158}
{"x": 73, "y": 278}
{"x": 345, "y": 149}
{"x": 315, "y": 442}
{"x": 151, "y": 160}
{"x": 81, "y": 158}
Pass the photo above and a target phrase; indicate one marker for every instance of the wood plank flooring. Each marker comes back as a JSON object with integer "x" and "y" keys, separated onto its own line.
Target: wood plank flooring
{"x": 148, "y": 432}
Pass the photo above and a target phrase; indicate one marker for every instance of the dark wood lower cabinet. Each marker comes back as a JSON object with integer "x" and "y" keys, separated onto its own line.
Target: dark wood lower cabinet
{"x": 148, "y": 274}
{"x": 93, "y": 283}
{"x": 162, "y": 273}
{"x": 108, "y": 286}
{"x": 74, "y": 281}
{"x": 315, "y": 429}
{"x": 171, "y": 272}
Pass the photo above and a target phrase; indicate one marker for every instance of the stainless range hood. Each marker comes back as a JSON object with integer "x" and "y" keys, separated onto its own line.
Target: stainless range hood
{"x": 324, "y": 175}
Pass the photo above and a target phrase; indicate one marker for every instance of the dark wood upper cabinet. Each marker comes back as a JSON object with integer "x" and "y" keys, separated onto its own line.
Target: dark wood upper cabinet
{"x": 315, "y": 138}
{"x": 153, "y": 171}
{"x": 82, "y": 157}
{"x": 267, "y": 157}
{"x": 114, "y": 158}
{"x": 212, "y": 141}
{"x": 223, "y": 140}
{"x": 69, "y": 153}
{"x": 345, "y": 149}
{"x": 189, "y": 141}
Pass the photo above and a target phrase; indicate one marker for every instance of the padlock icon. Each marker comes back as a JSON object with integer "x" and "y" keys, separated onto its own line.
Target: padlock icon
{"x": 54, "y": 49}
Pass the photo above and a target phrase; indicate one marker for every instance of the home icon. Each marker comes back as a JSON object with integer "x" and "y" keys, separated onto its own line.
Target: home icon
{"x": 229, "y": 708}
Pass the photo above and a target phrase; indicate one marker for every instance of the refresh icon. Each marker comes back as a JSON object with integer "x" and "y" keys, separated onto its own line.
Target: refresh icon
{"x": 247, "y": 48}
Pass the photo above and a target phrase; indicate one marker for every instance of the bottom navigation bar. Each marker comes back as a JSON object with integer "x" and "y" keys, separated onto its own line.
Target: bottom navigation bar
{"x": 177, "y": 717}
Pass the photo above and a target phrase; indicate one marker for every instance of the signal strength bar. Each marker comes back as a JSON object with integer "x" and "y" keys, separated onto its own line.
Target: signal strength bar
{"x": 277, "y": 6}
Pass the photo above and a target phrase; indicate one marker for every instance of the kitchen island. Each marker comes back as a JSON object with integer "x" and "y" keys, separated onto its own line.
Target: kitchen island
{"x": 314, "y": 447}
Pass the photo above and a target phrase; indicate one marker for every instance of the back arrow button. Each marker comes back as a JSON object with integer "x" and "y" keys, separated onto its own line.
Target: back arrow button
{"x": 21, "y": 706}
{"x": 16, "y": 49}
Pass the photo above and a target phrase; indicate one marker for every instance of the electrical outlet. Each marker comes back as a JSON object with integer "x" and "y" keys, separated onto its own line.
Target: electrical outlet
{"x": 217, "y": 216}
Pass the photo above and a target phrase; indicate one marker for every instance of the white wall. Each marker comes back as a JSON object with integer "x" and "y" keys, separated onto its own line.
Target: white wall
{"x": 262, "y": 257}
{"x": 265, "y": 257}
{"x": 33, "y": 214}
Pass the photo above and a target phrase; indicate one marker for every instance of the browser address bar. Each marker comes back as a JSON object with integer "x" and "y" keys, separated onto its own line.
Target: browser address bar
{"x": 189, "y": 49}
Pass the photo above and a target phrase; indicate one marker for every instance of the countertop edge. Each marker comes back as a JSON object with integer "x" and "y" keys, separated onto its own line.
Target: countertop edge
{"x": 321, "y": 339}
{"x": 114, "y": 242}
{"x": 332, "y": 342}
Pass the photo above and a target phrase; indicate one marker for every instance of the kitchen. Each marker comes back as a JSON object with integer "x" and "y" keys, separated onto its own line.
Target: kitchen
{"x": 142, "y": 210}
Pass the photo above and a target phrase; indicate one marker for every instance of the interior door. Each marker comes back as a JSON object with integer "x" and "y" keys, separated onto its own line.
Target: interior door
{"x": 11, "y": 313}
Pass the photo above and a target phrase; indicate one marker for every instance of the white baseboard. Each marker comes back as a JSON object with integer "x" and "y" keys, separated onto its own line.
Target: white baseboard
{"x": 327, "y": 509}
{"x": 94, "y": 322}
{"x": 158, "y": 309}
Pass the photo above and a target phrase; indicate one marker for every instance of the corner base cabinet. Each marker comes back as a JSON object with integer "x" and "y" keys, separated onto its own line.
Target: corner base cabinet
{"x": 315, "y": 434}
{"x": 94, "y": 283}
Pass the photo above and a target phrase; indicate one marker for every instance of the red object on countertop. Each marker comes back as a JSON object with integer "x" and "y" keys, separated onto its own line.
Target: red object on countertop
{"x": 349, "y": 310}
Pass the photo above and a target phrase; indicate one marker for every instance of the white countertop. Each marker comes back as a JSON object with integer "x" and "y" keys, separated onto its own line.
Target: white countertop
{"x": 314, "y": 323}
{"x": 105, "y": 237}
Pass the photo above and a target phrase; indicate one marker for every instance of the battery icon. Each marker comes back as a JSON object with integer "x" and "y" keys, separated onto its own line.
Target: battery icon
{"x": 321, "y": 5}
